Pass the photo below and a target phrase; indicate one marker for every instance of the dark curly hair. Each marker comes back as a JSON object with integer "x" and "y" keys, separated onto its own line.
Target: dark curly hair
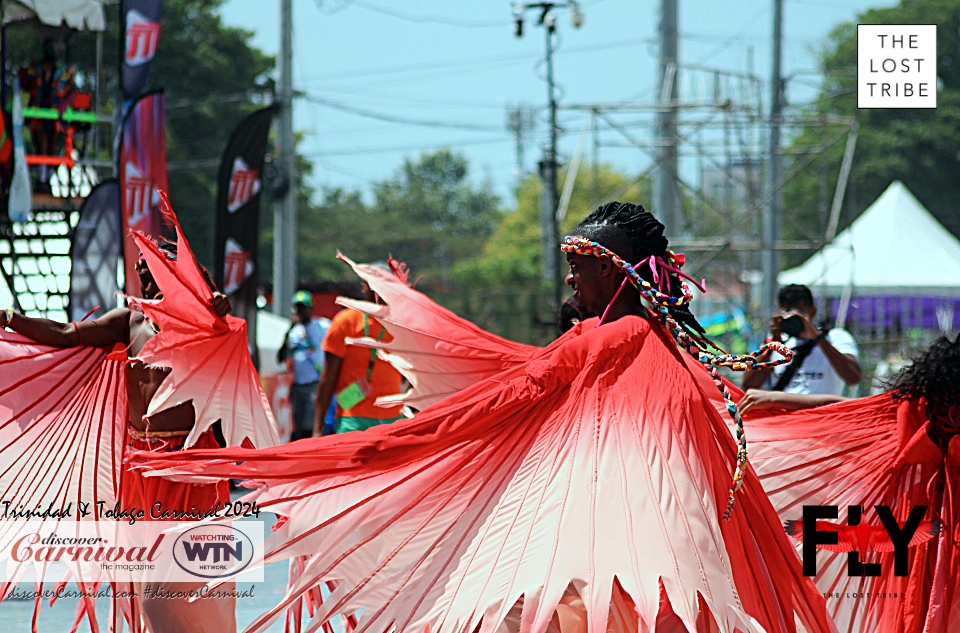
{"x": 634, "y": 234}
{"x": 570, "y": 314}
{"x": 934, "y": 375}
{"x": 795, "y": 294}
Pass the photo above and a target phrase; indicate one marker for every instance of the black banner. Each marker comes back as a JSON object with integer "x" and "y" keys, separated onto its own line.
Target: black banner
{"x": 95, "y": 252}
{"x": 140, "y": 21}
{"x": 239, "y": 184}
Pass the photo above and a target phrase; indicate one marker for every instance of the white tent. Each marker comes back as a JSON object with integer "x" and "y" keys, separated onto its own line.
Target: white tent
{"x": 270, "y": 332}
{"x": 77, "y": 14}
{"x": 895, "y": 247}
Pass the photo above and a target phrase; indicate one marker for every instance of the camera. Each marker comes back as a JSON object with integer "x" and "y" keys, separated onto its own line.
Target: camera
{"x": 792, "y": 326}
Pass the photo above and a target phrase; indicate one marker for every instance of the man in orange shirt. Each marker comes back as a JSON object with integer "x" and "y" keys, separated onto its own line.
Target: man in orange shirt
{"x": 355, "y": 374}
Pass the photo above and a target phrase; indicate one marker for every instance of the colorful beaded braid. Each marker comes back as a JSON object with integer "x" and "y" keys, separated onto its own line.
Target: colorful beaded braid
{"x": 711, "y": 362}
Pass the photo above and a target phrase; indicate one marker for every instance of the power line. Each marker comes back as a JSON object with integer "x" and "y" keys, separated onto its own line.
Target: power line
{"x": 460, "y": 63}
{"x": 427, "y": 103}
{"x": 389, "y": 118}
{"x": 429, "y": 19}
{"x": 360, "y": 151}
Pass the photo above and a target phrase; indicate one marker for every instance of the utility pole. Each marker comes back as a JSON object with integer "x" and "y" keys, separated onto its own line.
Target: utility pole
{"x": 551, "y": 195}
{"x": 595, "y": 117}
{"x": 285, "y": 212}
{"x": 666, "y": 188}
{"x": 771, "y": 217}
{"x": 521, "y": 121}
{"x": 551, "y": 272}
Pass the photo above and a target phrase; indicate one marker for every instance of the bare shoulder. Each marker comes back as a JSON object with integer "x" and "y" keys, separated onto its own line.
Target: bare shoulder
{"x": 118, "y": 319}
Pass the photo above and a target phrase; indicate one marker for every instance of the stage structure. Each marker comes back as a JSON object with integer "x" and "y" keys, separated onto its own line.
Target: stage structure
{"x": 720, "y": 138}
{"x": 36, "y": 229}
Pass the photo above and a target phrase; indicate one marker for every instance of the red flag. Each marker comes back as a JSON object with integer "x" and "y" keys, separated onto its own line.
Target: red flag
{"x": 143, "y": 171}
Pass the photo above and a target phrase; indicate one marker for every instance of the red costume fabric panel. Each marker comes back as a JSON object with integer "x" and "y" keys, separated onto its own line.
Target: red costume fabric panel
{"x": 599, "y": 462}
{"x": 63, "y": 415}
{"x": 208, "y": 355}
{"x": 438, "y": 352}
{"x": 144, "y": 493}
{"x": 870, "y": 452}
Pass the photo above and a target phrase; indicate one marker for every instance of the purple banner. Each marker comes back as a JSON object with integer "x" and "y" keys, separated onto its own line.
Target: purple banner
{"x": 899, "y": 313}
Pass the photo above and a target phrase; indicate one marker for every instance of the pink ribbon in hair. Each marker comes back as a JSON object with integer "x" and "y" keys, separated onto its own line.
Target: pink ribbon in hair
{"x": 655, "y": 262}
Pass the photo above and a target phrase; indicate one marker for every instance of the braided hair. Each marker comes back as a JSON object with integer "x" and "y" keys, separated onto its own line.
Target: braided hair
{"x": 634, "y": 234}
{"x": 627, "y": 233}
{"x": 934, "y": 375}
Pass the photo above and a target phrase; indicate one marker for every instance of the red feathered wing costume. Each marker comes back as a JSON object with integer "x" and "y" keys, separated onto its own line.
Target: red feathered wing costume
{"x": 438, "y": 352}
{"x": 866, "y": 452}
{"x": 593, "y": 473}
{"x": 208, "y": 355}
{"x": 874, "y": 451}
{"x": 441, "y": 353}
{"x": 62, "y": 420}
{"x": 63, "y": 412}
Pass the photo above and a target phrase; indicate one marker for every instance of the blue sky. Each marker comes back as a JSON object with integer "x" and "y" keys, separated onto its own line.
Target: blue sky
{"x": 456, "y": 66}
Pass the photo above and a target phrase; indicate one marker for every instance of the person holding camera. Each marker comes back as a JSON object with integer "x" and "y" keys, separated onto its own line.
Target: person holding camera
{"x": 824, "y": 361}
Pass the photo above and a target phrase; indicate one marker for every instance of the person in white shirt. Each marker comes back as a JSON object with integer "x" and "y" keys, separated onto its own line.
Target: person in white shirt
{"x": 301, "y": 345}
{"x": 824, "y": 361}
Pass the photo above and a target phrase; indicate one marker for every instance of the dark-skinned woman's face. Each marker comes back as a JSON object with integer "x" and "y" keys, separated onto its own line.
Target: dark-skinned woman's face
{"x": 148, "y": 285}
{"x": 587, "y": 282}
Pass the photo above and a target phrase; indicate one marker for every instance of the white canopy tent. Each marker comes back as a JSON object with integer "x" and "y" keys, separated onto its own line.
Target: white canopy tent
{"x": 77, "y": 14}
{"x": 895, "y": 247}
{"x": 271, "y": 330}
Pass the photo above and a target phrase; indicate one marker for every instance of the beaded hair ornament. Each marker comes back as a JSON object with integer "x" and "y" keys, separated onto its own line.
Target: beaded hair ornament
{"x": 661, "y": 299}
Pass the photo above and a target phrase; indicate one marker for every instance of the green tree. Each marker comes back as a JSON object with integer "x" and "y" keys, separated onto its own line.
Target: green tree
{"x": 512, "y": 255}
{"x": 341, "y": 222}
{"x": 209, "y": 72}
{"x": 918, "y": 147}
{"x": 428, "y": 215}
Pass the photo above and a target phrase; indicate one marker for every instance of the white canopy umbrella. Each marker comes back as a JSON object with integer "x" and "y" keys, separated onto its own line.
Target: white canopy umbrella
{"x": 77, "y": 14}
{"x": 895, "y": 247}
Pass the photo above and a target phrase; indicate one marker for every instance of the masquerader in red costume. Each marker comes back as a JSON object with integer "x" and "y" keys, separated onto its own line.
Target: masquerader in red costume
{"x": 154, "y": 378}
{"x": 581, "y": 490}
{"x": 897, "y": 449}
{"x": 865, "y": 452}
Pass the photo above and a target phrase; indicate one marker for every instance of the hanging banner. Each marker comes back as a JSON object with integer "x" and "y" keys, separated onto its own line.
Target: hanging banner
{"x": 239, "y": 184}
{"x": 95, "y": 252}
{"x": 141, "y": 27}
{"x": 143, "y": 170}
{"x": 20, "y": 189}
